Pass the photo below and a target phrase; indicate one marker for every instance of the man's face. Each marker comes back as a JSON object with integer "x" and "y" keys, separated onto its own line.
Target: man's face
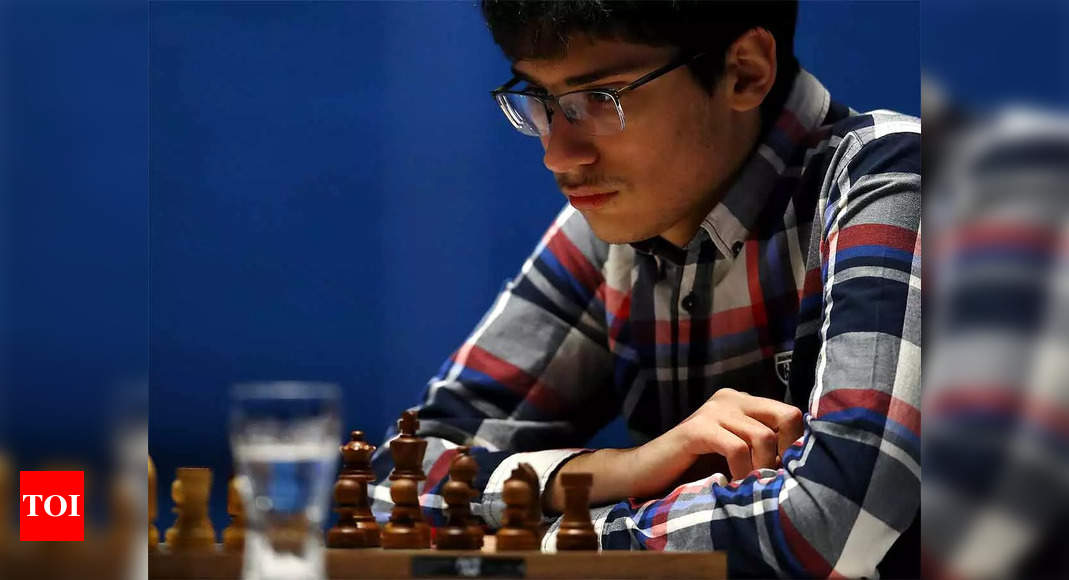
{"x": 660, "y": 175}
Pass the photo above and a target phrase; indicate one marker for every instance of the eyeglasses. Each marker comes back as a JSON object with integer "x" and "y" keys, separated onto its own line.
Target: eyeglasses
{"x": 593, "y": 111}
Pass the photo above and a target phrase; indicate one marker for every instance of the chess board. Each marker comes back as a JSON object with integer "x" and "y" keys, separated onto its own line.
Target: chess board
{"x": 195, "y": 556}
{"x": 378, "y": 563}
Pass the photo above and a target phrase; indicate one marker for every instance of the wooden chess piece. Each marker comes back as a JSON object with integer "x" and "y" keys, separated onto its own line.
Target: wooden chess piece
{"x": 458, "y": 533}
{"x": 576, "y": 530}
{"x": 234, "y": 534}
{"x": 153, "y": 533}
{"x": 177, "y": 496}
{"x": 192, "y": 529}
{"x": 407, "y": 449}
{"x": 346, "y": 533}
{"x": 403, "y": 531}
{"x": 356, "y": 457}
{"x": 365, "y": 520}
{"x": 356, "y": 527}
{"x": 357, "y": 460}
{"x": 464, "y": 469}
{"x": 516, "y": 532}
{"x": 534, "y": 513}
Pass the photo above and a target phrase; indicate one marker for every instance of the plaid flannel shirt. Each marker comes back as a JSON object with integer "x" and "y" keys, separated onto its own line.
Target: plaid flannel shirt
{"x": 802, "y": 284}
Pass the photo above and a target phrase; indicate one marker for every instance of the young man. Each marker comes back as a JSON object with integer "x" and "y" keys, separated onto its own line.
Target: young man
{"x": 737, "y": 273}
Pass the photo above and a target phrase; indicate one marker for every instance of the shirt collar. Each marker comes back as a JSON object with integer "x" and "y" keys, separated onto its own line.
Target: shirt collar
{"x": 661, "y": 248}
{"x": 729, "y": 223}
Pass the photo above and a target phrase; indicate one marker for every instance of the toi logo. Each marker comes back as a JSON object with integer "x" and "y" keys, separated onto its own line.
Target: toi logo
{"x": 51, "y": 506}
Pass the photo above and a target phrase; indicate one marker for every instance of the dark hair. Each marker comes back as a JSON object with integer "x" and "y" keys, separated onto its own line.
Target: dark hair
{"x": 534, "y": 29}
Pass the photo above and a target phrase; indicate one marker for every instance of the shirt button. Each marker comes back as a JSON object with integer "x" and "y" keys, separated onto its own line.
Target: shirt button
{"x": 737, "y": 248}
{"x": 688, "y": 302}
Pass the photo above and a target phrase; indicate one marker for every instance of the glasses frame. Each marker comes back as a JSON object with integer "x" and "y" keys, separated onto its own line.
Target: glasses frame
{"x": 547, "y": 99}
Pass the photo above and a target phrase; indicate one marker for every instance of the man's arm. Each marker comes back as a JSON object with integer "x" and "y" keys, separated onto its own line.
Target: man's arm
{"x": 532, "y": 382}
{"x": 851, "y": 486}
{"x": 748, "y": 432}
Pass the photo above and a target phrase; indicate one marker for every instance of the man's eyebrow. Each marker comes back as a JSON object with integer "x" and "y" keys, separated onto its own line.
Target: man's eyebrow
{"x": 588, "y": 77}
{"x": 524, "y": 77}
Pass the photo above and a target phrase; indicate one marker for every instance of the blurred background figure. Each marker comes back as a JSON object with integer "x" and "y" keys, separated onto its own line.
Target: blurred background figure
{"x": 995, "y": 500}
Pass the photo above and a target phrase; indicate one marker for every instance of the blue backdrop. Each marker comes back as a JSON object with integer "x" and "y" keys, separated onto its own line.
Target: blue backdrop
{"x": 73, "y": 236}
{"x": 334, "y": 196}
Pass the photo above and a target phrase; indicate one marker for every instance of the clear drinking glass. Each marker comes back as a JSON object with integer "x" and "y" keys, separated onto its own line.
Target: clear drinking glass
{"x": 284, "y": 437}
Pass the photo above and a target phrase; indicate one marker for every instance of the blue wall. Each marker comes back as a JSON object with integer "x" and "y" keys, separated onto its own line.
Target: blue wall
{"x": 987, "y": 54}
{"x": 334, "y": 195}
{"x": 73, "y": 234}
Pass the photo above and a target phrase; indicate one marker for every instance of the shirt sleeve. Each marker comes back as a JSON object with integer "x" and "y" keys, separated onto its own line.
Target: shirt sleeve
{"x": 851, "y": 485}
{"x": 534, "y": 377}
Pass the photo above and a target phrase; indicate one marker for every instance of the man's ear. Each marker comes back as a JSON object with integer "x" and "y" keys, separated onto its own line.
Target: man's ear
{"x": 750, "y": 69}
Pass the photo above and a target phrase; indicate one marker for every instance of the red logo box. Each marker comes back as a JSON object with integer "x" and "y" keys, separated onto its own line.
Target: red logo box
{"x": 51, "y": 506}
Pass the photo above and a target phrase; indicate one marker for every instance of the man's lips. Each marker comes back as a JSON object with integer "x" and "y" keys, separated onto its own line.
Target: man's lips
{"x": 586, "y": 191}
{"x": 588, "y": 197}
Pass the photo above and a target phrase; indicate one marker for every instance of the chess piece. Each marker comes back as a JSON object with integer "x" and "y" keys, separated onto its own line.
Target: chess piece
{"x": 516, "y": 532}
{"x": 404, "y": 531}
{"x": 534, "y": 512}
{"x": 356, "y": 527}
{"x": 234, "y": 534}
{"x": 407, "y": 449}
{"x": 465, "y": 469}
{"x": 356, "y": 457}
{"x": 459, "y": 533}
{"x": 176, "y": 497}
{"x": 192, "y": 529}
{"x": 346, "y": 533}
{"x": 153, "y": 533}
{"x": 576, "y": 530}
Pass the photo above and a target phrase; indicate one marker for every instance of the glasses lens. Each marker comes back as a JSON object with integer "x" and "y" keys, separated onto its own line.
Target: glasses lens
{"x": 527, "y": 114}
{"x": 593, "y": 112}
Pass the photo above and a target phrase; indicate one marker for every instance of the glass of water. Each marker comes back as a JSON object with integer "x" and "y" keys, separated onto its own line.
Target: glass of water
{"x": 284, "y": 437}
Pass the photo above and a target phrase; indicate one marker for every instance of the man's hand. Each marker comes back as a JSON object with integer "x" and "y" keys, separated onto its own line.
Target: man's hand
{"x": 750, "y": 432}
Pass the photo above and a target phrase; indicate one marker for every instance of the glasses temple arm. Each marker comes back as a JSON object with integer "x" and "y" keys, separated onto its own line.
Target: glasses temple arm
{"x": 506, "y": 86}
{"x": 678, "y": 62}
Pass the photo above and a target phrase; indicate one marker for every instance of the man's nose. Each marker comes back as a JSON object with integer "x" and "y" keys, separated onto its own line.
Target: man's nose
{"x": 567, "y": 148}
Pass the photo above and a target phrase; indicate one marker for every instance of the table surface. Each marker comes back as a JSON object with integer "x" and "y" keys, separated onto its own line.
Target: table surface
{"x": 218, "y": 564}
